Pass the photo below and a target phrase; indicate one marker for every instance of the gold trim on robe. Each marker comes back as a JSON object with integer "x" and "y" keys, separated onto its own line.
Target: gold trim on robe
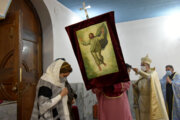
{"x": 113, "y": 97}
{"x": 157, "y": 105}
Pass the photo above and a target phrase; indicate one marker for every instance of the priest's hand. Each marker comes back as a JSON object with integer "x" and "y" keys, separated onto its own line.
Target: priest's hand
{"x": 64, "y": 92}
{"x": 135, "y": 70}
{"x": 168, "y": 80}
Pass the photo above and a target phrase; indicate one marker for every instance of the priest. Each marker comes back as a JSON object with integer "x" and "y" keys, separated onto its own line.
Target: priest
{"x": 148, "y": 98}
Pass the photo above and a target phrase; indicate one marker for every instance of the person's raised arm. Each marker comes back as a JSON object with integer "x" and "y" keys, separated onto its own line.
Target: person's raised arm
{"x": 83, "y": 42}
{"x": 142, "y": 73}
{"x": 102, "y": 34}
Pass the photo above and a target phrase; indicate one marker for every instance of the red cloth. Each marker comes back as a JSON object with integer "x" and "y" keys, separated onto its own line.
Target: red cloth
{"x": 1, "y": 101}
{"x": 75, "y": 112}
{"x": 116, "y": 89}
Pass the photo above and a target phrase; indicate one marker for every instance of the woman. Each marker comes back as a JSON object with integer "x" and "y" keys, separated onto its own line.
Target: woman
{"x": 54, "y": 95}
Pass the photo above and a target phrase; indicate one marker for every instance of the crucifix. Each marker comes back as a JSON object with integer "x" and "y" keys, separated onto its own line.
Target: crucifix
{"x": 85, "y": 9}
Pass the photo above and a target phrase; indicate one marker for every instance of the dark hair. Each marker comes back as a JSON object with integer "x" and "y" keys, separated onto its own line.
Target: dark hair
{"x": 128, "y": 66}
{"x": 170, "y": 66}
{"x": 65, "y": 68}
{"x": 91, "y": 34}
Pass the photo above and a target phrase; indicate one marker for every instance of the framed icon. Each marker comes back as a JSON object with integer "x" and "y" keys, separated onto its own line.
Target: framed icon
{"x": 97, "y": 49}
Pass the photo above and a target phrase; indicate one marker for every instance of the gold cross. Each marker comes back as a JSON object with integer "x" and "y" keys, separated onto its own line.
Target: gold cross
{"x": 85, "y": 9}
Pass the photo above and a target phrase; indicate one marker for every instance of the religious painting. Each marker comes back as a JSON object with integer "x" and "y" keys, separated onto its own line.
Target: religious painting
{"x": 97, "y": 49}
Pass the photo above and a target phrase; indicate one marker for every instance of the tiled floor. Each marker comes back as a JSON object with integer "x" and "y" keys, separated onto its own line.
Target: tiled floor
{"x": 8, "y": 111}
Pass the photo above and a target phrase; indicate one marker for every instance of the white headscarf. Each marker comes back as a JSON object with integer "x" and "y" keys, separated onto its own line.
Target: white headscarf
{"x": 52, "y": 73}
{"x": 52, "y": 76}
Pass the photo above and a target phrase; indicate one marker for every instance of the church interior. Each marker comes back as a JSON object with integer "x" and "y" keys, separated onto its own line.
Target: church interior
{"x": 33, "y": 35}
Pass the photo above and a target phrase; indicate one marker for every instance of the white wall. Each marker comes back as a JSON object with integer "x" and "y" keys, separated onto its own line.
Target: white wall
{"x": 154, "y": 36}
{"x": 47, "y": 32}
{"x": 62, "y": 17}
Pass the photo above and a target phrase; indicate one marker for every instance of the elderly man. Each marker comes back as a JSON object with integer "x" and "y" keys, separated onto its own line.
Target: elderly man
{"x": 148, "y": 98}
{"x": 171, "y": 90}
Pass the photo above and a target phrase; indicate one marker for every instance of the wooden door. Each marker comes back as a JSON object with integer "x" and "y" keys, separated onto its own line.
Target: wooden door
{"x": 31, "y": 58}
{"x": 23, "y": 63}
{"x": 10, "y": 39}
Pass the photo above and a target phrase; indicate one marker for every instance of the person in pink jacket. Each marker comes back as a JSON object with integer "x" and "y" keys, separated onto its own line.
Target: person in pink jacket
{"x": 113, "y": 101}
